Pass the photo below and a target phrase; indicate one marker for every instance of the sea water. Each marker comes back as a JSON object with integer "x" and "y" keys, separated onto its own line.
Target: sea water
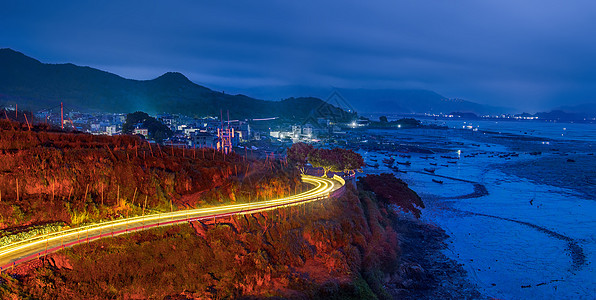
{"x": 525, "y": 239}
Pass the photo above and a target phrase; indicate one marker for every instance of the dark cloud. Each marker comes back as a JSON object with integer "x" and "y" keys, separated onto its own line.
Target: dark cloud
{"x": 530, "y": 54}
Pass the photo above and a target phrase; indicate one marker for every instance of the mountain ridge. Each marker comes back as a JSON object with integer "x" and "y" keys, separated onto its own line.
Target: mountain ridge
{"x": 36, "y": 85}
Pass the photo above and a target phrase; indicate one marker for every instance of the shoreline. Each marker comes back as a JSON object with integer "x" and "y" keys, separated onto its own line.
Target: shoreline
{"x": 425, "y": 271}
{"x": 574, "y": 248}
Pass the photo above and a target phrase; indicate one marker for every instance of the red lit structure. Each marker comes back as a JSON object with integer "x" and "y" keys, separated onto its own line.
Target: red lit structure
{"x": 225, "y": 136}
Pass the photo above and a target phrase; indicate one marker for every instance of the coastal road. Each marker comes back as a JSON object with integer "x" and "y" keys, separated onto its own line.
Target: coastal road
{"x": 26, "y": 250}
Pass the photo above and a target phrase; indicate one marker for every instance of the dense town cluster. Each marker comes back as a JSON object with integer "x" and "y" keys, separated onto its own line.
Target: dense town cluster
{"x": 195, "y": 132}
{"x": 271, "y": 135}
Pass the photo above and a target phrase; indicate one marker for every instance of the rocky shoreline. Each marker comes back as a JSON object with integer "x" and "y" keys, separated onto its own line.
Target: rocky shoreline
{"x": 425, "y": 271}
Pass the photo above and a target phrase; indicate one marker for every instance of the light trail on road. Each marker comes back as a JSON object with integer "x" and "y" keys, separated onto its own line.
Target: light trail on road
{"x": 26, "y": 250}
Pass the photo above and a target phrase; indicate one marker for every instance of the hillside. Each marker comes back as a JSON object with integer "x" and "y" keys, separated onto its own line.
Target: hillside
{"x": 345, "y": 248}
{"x": 357, "y": 247}
{"x": 344, "y": 251}
{"x": 51, "y": 177}
{"x": 35, "y": 85}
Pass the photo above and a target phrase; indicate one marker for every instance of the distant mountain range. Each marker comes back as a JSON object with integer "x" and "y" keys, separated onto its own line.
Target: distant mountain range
{"x": 388, "y": 101}
{"x": 586, "y": 109}
{"x": 583, "y": 112}
{"x": 37, "y": 86}
{"x": 413, "y": 101}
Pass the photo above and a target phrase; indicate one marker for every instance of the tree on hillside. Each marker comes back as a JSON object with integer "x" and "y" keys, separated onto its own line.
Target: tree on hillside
{"x": 326, "y": 159}
{"x": 350, "y": 160}
{"x": 298, "y": 154}
{"x": 133, "y": 119}
{"x": 335, "y": 160}
{"x": 383, "y": 119}
{"x": 157, "y": 130}
{"x": 393, "y": 191}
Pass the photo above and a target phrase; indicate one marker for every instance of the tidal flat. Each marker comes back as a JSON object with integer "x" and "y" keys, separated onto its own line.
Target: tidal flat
{"x": 529, "y": 233}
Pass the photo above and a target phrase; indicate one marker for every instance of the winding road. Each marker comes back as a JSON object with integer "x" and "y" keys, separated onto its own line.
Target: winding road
{"x": 26, "y": 250}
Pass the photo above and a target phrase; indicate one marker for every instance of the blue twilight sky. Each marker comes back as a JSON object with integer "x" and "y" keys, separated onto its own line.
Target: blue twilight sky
{"x": 531, "y": 54}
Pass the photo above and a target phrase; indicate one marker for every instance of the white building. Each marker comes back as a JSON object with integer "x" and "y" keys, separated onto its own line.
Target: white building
{"x": 275, "y": 134}
{"x": 111, "y": 130}
{"x": 203, "y": 140}
{"x": 296, "y": 131}
{"x": 142, "y": 131}
{"x": 307, "y": 130}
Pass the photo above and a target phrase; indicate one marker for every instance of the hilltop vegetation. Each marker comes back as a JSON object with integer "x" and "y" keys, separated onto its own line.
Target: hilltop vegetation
{"x": 48, "y": 176}
{"x": 393, "y": 191}
{"x": 330, "y": 160}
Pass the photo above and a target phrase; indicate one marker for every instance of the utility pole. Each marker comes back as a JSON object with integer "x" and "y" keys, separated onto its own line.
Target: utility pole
{"x": 62, "y": 115}
{"x": 29, "y": 126}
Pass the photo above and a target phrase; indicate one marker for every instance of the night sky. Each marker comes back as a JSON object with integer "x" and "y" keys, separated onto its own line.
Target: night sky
{"x": 532, "y": 55}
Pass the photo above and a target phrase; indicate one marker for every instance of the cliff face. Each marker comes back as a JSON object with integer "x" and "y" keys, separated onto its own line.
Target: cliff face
{"x": 342, "y": 248}
{"x": 48, "y": 176}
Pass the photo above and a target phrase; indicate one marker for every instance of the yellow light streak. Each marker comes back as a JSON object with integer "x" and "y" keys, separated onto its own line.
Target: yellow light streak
{"x": 323, "y": 187}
